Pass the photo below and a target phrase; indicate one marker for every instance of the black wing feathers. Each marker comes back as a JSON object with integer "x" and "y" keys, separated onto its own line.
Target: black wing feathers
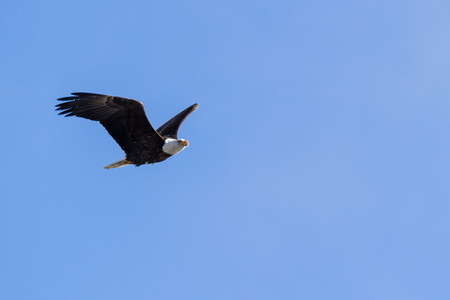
{"x": 123, "y": 118}
{"x": 170, "y": 128}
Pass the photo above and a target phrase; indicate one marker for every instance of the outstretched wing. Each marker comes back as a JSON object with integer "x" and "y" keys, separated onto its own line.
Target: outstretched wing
{"x": 123, "y": 118}
{"x": 170, "y": 128}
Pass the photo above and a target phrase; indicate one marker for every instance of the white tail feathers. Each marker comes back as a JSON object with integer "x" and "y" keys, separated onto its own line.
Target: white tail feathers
{"x": 121, "y": 163}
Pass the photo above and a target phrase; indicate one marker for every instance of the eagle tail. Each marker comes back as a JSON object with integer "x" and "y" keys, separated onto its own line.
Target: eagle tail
{"x": 121, "y": 163}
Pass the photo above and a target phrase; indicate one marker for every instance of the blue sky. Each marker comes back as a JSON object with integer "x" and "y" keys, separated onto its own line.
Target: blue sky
{"x": 319, "y": 158}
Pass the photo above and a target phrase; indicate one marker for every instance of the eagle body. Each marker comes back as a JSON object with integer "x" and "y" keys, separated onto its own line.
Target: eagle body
{"x": 126, "y": 121}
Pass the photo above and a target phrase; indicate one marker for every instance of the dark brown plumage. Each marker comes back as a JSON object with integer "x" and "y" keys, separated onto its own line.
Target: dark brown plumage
{"x": 127, "y": 123}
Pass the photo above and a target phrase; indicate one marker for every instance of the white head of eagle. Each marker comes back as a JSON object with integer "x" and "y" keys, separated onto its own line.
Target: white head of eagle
{"x": 126, "y": 121}
{"x": 173, "y": 146}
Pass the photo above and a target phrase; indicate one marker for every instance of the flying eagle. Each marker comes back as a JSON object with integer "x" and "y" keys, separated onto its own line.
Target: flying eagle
{"x": 126, "y": 122}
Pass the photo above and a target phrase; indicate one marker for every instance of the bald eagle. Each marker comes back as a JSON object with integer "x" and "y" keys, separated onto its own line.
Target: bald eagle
{"x": 126, "y": 122}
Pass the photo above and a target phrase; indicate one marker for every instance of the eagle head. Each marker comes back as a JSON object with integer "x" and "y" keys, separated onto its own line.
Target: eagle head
{"x": 173, "y": 146}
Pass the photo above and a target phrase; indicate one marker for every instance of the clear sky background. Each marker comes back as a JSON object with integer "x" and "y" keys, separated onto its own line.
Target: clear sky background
{"x": 319, "y": 158}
